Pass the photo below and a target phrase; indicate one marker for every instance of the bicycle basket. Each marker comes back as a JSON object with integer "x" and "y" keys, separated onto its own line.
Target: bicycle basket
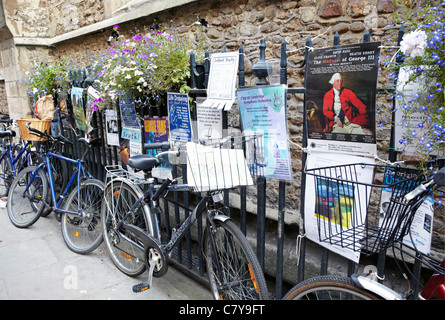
{"x": 219, "y": 164}
{"x": 347, "y": 210}
{"x": 41, "y": 125}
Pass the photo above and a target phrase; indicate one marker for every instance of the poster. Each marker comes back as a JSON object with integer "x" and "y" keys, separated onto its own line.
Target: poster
{"x": 156, "y": 130}
{"x": 341, "y": 86}
{"x": 92, "y": 95}
{"x": 179, "y": 117}
{"x": 421, "y": 227}
{"x": 209, "y": 121}
{"x": 128, "y": 112}
{"x": 407, "y": 92}
{"x": 222, "y": 80}
{"x": 329, "y": 205}
{"x": 78, "y": 110}
{"x": 263, "y": 111}
{"x": 112, "y": 128}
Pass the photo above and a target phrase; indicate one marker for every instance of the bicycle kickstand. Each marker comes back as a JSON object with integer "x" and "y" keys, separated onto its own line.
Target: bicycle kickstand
{"x": 140, "y": 287}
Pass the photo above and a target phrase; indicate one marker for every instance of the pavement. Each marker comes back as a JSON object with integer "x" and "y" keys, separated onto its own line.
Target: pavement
{"x": 35, "y": 264}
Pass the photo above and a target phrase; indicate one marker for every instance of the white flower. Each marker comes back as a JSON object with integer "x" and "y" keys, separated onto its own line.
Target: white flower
{"x": 414, "y": 43}
{"x": 138, "y": 73}
{"x": 127, "y": 76}
{"x": 141, "y": 79}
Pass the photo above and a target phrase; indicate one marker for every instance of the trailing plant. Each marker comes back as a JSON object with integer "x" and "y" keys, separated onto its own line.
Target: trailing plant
{"x": 45, "y": 78}
{"x": 154, "y": 60}
{"x": 423, "y": 58}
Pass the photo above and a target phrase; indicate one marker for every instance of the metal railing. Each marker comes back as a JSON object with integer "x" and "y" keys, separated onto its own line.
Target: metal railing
{"x": 187, "y": 257}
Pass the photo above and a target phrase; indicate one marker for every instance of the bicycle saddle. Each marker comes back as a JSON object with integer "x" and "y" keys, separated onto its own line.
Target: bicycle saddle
{"x": 7, "y": 133}
{"x": 143, "y": 161}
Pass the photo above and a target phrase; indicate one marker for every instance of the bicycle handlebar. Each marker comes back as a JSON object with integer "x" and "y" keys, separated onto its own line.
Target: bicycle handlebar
{"x": 157, "y": 145}
{"x": 438, "y": 179}
{"x": 59, "y": 138}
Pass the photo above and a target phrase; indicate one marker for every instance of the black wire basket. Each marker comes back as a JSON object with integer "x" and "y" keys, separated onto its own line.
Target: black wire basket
{"x": 350, "y": 212}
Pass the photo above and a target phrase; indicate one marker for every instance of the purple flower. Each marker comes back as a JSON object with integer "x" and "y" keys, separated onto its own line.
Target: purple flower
{"x": 136, "y": 38}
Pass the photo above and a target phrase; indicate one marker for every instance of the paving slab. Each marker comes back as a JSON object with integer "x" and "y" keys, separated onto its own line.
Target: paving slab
{"x": 35, "y": 264}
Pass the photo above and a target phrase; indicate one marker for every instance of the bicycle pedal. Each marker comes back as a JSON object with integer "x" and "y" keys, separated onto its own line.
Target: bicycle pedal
{"x": 140, "y": 287}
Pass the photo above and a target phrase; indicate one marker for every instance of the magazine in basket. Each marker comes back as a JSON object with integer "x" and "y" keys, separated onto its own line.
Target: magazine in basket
{"x": 225, "y": 163}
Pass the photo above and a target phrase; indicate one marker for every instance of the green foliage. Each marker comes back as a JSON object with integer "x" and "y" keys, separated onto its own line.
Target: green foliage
{"x": 45, "y": 78}
{"x": 150, "y": 62}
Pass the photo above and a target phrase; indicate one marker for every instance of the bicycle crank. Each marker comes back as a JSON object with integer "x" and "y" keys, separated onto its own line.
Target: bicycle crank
{"x": 155, "y": 259}
{"x": 154, "y": 262}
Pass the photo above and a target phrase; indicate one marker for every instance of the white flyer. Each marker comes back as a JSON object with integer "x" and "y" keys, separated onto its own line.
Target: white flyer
{"x": 111, "y": 127}
{"x": 222, "y": 80}
{"x": 352, "y": 194}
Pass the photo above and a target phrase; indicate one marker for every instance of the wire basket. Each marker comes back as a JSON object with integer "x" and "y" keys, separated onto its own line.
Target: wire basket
{"x": 41, "y": 125}
{"x": 347, "y": 207}
{"x": 220, "y": 164}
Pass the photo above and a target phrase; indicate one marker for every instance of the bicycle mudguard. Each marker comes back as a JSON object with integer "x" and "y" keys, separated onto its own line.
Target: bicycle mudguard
{"x": 375, "y": 287}
{"x": 221, "y": 217}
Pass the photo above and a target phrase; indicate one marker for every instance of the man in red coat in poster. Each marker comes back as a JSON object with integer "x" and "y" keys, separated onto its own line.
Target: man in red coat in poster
{"x": 344, "y": 111}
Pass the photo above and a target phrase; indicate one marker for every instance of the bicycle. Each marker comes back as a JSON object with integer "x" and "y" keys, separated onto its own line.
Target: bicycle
{"x": 36, "y": 148}
{"x": 407, "y": 195}
{"x": 8, "y": 161}
{"x": 27, "y": 199}
{"x": 131, "y": 218}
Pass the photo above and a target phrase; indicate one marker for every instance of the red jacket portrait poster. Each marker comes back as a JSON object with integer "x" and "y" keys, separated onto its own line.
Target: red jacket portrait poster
{"x": 341, "y": 87}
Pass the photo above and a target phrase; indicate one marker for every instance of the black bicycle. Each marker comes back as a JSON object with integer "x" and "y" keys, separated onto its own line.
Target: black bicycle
{"x": 131, "y": 227}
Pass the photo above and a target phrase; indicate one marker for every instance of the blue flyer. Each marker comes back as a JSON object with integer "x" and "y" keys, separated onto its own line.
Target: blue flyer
{"x": 128, "y": 112}
{"x": 180, "y": 124}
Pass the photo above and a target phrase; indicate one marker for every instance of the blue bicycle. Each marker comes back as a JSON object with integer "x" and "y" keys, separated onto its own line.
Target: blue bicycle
{"x": 14, "y": 157}
{"x": 27, "y": 199}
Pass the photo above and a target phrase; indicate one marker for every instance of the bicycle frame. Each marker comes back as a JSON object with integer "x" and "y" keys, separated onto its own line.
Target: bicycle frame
{"x": 19, "y": 156}
{"x": 79, "y": 172}
{"x": 177, "y": 236}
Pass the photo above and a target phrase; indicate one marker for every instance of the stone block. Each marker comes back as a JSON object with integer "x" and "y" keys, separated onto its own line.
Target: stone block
{"x": 331, "y": 9}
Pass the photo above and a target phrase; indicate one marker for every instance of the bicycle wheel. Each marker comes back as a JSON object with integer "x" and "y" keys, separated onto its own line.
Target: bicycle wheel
{"x": 83, "y": 234}
{"x": 119, "y": 198}
{"x": 6, "y": 175}
{"x": 232, "y": 267}
{"x": 26, "y": 204}
{"x": 328, "y": 287}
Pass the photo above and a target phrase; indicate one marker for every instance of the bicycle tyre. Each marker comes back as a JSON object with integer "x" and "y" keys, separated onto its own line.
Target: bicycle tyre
{"x": 232, "y": 266}
{"x": 59, "y": 170}
{"x": 83, "y": 234}
{"x": 119, "y": 198}
{"x": 6, "y": 175}
{"x": 25, "y": 210}
{"x": 329, "y": 287}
